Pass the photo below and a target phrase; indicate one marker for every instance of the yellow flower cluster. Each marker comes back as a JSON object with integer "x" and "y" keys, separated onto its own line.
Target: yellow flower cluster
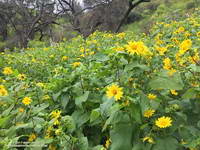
{"x": 198, "y": 34}
{"x": 40, "y": 84}
{"x": 21, "y": 110}
{"x": 173, "y": 92}
{"x": 7, "y": 71}
{"x": 32, "y": 137}
{"x": 161, "y": 50}
{"x": 46, "y": 97}
{"x": 64, "y": 58}
{"x": 76, "y": 64}
{"x": 175, "y": 40}
{"x": 158, "y": 39}
{"x": 180, "y": 30}
{"x": 185, "y": 46}
{"x": 3, "y": 91}
{"x": 151, "y": 96}
{"x": 138, "y": 48}
{"x": 52, "y": 147}
{"x": 168, "y": 66}
{"x": 87, "y": 52}
{"x": 107, "y": 144}
{"x": 195, "y": 58}
{"x": 49, "y": 132}
{"x": 55, "y": 114}
{"x": 121, "y": 35}
{"x": 58, "y": 131}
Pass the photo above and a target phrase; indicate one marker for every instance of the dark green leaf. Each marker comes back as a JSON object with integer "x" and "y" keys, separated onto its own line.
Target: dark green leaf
{"x": 121, "y": 137}
{"x": 166, "y": 143}
{"x": 94, "y": 115}
{"x": 79, "y": 100}
{"x": 190, "y": 93}
{"x": 167, "y": 82}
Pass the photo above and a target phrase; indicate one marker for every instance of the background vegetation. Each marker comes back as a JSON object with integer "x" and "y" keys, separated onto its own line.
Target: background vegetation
{"x": 134, "y": 90}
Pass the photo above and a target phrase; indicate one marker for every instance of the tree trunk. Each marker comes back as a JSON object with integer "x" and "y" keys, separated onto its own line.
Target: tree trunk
{"x": 131, "y": 6}
{"x": 124, "y": 19}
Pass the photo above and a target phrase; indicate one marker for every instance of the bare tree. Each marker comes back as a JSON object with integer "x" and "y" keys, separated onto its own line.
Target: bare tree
{"x": 3, "y": 27}
{"x": 131, "y": 5}
{"x": 75, "y": 12}
{"x": 107, "y": 15}
{"x": 27, "y": 17}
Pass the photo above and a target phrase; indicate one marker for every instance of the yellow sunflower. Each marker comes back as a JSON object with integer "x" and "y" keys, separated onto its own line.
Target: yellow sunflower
{"x": 148, "y": 113}
{"x": 76, "y": 64}
{"x": 21, "y": 76}
{"x": 148, "y": 139}
{"x": 151, "y": 96}
{"x": 26, "y": 100}
{"x": 173, "y": 92}
{"x": 114, "y": 91}
{"x": 3, "y": 91}
{"x": 164, "y": 122}
{"x": 32, "y": 137}
{"x": 7, "y": 71}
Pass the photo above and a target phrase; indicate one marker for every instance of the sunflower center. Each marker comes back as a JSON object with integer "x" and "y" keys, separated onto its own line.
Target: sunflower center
{"x": 163, "y": 123}
{"x": 114, "y": 92}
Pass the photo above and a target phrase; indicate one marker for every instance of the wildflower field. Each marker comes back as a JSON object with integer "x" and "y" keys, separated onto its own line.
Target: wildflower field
{"x": 108, "y": 92}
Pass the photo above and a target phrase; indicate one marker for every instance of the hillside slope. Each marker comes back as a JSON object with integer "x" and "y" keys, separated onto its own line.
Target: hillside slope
{"x": 160, "y": 10}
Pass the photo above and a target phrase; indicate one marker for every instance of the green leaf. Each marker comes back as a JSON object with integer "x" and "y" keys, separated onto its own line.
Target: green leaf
{"x": 123, "y": 61}
{"x": 64, "y": 100}
{"x": 4, "y": 121}
{"x": 98, "y": 147}
{"x": 38, "y": 109}
{"x": 133, "y": 65}
{"x": 135, "y": 111}
{"x": 121, "y": 136}
{"x": 105, "y": 107}
{"x": 198, "y": 124}
{"x": 115, "y": 117}
{"x": 69, "y": 123}
{"x": 166, "y": 143}
{"x": 83, "y": 143}
{"x": 167, "y": 82}
{"x": 79, "y": 100}
{"x": 144, "y": 102}
{"x": 190, "y": 93}
{"x": 194, "y": 68}
{"x": 101, "y": 57}
{"x": 80, "y": 117}
{"x": 94, "y": 115}
{"x": 55, "y": 96}
{"x": 40, "y": 143}
{"x": 7, "y": 111}
{"x": 141, "y": 146}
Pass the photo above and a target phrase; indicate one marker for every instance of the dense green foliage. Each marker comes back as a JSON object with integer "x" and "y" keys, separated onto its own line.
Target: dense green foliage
{"x": 110, "y": 91}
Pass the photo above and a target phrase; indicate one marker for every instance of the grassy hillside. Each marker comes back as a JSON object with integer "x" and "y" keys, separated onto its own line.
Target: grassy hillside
{"x": 121, "y": 91}
{"x": 160, "y": 10}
